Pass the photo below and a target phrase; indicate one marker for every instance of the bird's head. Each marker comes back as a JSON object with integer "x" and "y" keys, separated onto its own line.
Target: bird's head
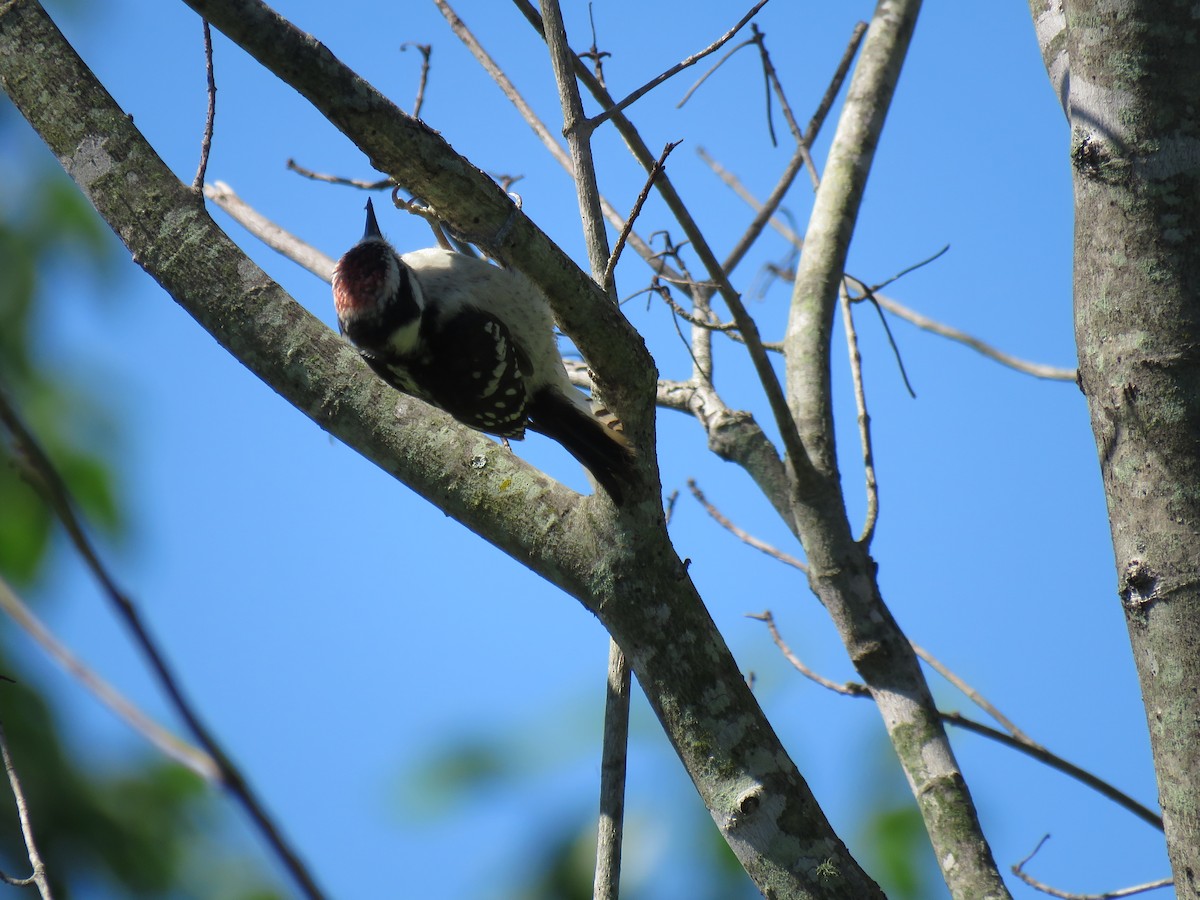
{"x": 369, "y": 278}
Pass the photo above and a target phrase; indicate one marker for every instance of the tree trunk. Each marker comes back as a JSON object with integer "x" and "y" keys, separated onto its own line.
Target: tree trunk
{"x": 1129, "y": 76}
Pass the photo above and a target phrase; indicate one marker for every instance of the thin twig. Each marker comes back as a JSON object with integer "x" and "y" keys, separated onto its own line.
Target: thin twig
{"x": 869, "y": 294}
{"x": 615, "y": 108}
{"x": 742, "y": 535}
{"x": 973, "y": 695}
{"x": 1038, "y": 370}
{"x": 835, "y": 84}
{"x": 607, "y": 282}
{"x": 426, "y": 50}
{"x": 738, "y": 188}
{"x": 910, "y": 269}
{"x": 693, "y": 318}
{"x": 269, "y": 233}
{"x": 211, "y": 116}
{"x": 594, "y": 53}
{"x": 1040, "y": 753}
{"x": 55, "y": 492}
{"x": 1018, "y": 870}
{"x": 887, "y": 330}
{"x": 179, "y": 750}
{"x": 774, "y": 84}
{"x": 765, "y": 212}
{"x": 39, "y": 867}
{"x": 849, "y": 688}
{"x": 1029, "y": 748}
{"x": 864, "y": 421}
{"x": 359, "y": 183}
{"x": 613, "y": 755}
{"x": 687, "y": 95}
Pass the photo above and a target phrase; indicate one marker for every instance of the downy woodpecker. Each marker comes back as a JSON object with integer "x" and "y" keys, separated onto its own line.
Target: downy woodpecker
{"x": 475, "y": 340}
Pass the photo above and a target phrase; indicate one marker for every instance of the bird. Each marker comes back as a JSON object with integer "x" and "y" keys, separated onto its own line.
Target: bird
{"x": 474, "y": 340}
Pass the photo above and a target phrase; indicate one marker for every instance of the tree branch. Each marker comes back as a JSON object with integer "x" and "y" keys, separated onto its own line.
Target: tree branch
{"x": 38, "y": 877}
{"x": 177, "y": 749}
{"x": 841, "y": 572}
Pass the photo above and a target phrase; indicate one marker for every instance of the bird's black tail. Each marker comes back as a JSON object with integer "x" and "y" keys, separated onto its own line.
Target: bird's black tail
{"x": 595, "y": 439}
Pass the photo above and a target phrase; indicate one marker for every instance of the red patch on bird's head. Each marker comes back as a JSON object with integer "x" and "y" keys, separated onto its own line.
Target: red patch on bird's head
{"x": 364, "y": 277}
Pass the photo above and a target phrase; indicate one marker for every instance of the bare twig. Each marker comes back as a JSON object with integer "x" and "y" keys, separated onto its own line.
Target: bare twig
{"x": 973, "y": 695}
{"x": 607, "y": 282}
{"x": 611, "y": 109}
{"x": 614, "y": 751}
{"x": 864, "y": 421}
{"x": 1040, "y": 753}
{"x": 773, "y": 84}
{"x": 1029, "y": 748}
{"x": 835, "y": 84}
{"x": 426, "y": 50}
{"x": 687, "y": 95}
{"x": 1037, "y": 370}
{"x": 39, "y": 867}
{"x": 211, "y": 116}
{"x": 887, "y": 330}
{"x": 708, "y": 324}
{"x": 338, "y": 179}
{"x": 54, "y": 490}
{"x": 734, "y": 183}
{"x": 594, "y": 53}
{"x": 849, "y": 688}
{"x": 179, "y": 750}
{"x": 269, "y": 233}
{"x": 770, "y": 81}
{"x": 765, "y": 212}
{"x": 742, "y": 535}
{"x": 1019, "y": 871}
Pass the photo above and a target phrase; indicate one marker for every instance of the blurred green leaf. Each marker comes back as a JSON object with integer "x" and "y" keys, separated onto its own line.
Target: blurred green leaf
{"x": 901, "y": 854}
{"x": 456, "y": 773}
{"x": 24, "y": 526}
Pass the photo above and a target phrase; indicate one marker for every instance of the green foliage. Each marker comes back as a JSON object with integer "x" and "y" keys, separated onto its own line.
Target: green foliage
{"x": 47, "y": 228}
{"x": 900, "y": 851}
{"x": 457, "y": 773}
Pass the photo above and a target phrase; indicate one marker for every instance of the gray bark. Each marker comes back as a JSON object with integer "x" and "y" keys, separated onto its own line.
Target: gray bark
{"x": 1128, "y": 75}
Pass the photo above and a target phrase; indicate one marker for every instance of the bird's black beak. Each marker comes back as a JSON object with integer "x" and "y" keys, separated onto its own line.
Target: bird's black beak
{"x": 372, "y": 229}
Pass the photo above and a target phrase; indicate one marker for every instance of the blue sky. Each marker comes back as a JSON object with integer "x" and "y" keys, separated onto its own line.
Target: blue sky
{"x": 337, "y": 631}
